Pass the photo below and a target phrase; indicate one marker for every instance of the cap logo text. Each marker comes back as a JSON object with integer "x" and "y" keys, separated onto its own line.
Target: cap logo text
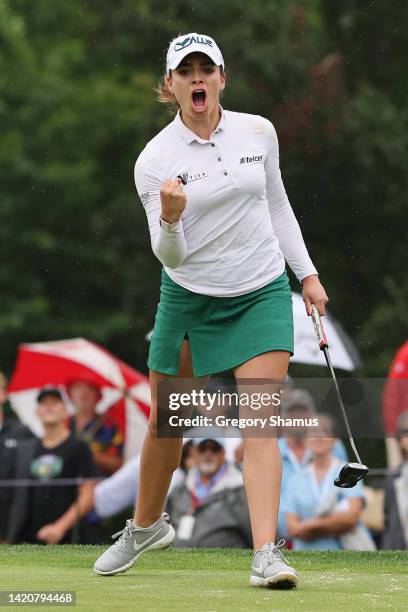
{"x": 201, "y": 40}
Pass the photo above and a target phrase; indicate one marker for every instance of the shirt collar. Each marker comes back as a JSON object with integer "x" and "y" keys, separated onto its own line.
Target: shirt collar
{"x": 287, "y": 453}
{"x": 189, "y": 136}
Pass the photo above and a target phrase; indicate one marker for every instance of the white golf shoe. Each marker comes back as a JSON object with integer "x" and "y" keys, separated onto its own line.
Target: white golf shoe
{"x": 270, "y": 568}
{"x": 133, "y": 542}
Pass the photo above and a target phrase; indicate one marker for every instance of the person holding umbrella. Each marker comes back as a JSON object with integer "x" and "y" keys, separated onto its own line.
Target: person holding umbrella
{"x": 221, "y": 224}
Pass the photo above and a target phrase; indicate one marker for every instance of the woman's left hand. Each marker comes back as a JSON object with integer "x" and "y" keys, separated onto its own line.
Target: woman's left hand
{"x": 313, "y": 293}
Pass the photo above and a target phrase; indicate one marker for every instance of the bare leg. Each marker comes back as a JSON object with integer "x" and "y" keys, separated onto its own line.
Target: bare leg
{"x": 262, "y": 464}
{"x": 160, "y": 456}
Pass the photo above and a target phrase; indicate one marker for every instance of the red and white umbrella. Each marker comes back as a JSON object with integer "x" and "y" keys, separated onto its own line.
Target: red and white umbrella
{"x": 124, "y": 390}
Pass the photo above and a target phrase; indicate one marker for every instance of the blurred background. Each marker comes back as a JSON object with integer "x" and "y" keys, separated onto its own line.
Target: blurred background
{"x": 77, "y": 106}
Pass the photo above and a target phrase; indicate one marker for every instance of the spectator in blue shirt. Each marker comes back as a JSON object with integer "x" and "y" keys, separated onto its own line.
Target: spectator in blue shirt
{"x": 295, "y": 452}
{"x": 318, "y": 514}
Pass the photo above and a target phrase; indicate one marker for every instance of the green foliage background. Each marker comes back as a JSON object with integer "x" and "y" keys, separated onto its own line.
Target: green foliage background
{"x": 77, "y": 106}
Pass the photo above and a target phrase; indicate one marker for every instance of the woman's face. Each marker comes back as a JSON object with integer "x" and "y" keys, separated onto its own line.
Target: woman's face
{"x": 321, "y": 446}
{"x": 197, "y": 83}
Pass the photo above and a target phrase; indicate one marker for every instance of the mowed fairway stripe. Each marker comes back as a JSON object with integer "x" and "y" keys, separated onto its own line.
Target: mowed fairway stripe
{"x": 209, "y": 580}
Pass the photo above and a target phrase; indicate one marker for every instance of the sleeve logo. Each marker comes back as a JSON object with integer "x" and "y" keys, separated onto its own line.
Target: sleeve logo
{"x": 145, "y": 197}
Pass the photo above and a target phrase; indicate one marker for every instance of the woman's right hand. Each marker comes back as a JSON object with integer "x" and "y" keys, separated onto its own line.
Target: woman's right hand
{"x": 173, "y": 200}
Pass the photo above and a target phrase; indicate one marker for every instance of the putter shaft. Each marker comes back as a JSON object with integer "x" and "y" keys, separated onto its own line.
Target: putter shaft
{"x": 324, "y": 346}
{"x": 344, "y": 415}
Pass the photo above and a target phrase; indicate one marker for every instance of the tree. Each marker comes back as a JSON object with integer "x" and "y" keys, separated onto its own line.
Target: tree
{"x": 76, "y": 91}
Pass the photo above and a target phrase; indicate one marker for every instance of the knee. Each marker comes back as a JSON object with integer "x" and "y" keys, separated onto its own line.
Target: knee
{"x": 172, "y": 447}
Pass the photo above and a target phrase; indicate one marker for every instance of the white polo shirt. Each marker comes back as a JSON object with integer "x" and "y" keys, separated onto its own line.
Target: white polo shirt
{"x": 238, "y": 226}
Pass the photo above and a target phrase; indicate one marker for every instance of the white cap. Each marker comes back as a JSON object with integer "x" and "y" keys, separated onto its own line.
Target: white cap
{"x": 299, "y": 398}
{"x": 192, "y": 43}
{"x": 200, "y": 434}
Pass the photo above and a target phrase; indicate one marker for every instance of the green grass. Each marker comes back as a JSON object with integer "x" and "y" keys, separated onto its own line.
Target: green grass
{"x": 210, "y": 580}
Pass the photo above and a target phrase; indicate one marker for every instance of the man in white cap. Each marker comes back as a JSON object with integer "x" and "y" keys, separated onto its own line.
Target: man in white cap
{"x": 209, "y": 508}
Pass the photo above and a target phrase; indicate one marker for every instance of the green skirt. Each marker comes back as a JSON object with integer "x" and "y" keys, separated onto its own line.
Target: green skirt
{"x": 223, "y": 332}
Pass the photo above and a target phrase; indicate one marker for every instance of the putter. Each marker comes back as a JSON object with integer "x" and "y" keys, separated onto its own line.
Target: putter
{"x": 350, "y": 473}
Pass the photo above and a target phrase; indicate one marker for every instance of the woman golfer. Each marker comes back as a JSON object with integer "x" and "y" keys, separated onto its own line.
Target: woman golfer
{"x": 222, "y": 226}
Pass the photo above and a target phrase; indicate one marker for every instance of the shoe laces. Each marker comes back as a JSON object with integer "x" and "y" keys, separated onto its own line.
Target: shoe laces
{"x": 128, "y": 531}
{"x": 125, "y": 533}
{"x": 273, "y": 552}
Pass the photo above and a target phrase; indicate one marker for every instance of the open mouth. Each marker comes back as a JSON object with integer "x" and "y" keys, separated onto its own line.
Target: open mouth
{"x": 199, "y": 97}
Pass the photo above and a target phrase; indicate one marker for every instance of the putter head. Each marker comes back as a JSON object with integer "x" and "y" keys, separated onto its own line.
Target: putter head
{"x": 350, "y": 474}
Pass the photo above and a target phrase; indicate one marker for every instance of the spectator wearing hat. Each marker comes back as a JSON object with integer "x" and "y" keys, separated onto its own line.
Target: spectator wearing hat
{"x": 209, "y": 509}
{"x": 46, "y": 513}
{"x": 295, "y": 452}
{"x": 119, "y": 492}
{"x": 99, "y": 431}
{"x": 12, "y": 432}
{"x": 395, "y": 535}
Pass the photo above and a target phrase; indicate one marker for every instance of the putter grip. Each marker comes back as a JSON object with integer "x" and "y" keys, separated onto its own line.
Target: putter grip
{"x": 318, "y": 327}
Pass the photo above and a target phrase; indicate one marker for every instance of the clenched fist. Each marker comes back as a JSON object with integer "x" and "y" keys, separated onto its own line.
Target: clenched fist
{"x": 173, "y": 200}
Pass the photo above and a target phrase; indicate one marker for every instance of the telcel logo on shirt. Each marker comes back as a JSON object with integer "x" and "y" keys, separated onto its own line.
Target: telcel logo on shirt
{"x": 254, "y": 159}
{"x": 191, "y": 177}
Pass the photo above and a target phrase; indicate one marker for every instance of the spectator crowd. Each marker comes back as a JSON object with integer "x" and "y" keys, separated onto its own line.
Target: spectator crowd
{"x": 62, "y": 487}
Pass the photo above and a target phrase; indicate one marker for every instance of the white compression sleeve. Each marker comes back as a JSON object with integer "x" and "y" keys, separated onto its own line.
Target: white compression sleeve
{"x": 284, "y": 222}
{"x": 170, "y": 245}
